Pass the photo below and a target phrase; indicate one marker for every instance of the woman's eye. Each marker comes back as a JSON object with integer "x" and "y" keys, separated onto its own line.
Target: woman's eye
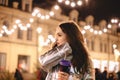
{"x": 59, "y": 35}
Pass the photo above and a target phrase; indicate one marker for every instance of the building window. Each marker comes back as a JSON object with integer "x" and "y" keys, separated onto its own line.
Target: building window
{"x": 3, "y": 2}
{"x": 20, "y": 33}
{"x": 2, "y": 61}
{"x": 105, "y": 47}
{"x": 88, "y": 43}
{"x": 27, "y": 7}
{"x": 92, "y": 45}
{"x": 29, "y": 34}
{"x": 112, "y": 49}
{"x": 101, "y": 47}
{"x": 23, "y": 63}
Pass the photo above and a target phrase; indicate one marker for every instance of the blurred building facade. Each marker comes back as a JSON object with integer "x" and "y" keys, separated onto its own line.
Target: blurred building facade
{"x": 21, "y": 44}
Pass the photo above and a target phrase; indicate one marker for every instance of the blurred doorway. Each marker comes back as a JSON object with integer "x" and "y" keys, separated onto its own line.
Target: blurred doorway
{"x": 23, "y": 63}
{"x": 2, "y": 61}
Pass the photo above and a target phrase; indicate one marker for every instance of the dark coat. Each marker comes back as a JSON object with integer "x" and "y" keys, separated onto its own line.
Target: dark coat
{"x": 18, "y": 75}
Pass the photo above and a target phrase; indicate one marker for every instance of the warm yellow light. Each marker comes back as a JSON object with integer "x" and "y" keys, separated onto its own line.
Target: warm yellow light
{"x": 79, "y": 3}
{"x": 1, "y": 35}
{"x": 31, "y": 20}
{"x": 17, "y": 21}
{"x": 87, "y": 27}
{"x": 100, "y": 32}
{"x": 14, "y": 26}
{"x": 95, "y": 32}
{"x": 42, "y": 17}
{"x": 83, "y": 31}
{"x": 119, "y": 24}
{"x": 51, "y": 13}
{"x": 28, "y": 25}
{"x": 56, "y": 7}
{"x": 39, "y": 15}
{"x": 67, "y": 2}
{"x": 36, "y": 11}
{"x": 33, "y": 14}
{"x": 114, "y": 20}
{"x": 60, "y": 1}
{"x": 2, "y": 31}
{"x": 114, "y": 46}
{"x": 91, "y": 30}
{"x": 104, "y": 30}
{"x": 73, "y": 4}
{"x": 39, "y": 29}
{"x": 109, "y": 26}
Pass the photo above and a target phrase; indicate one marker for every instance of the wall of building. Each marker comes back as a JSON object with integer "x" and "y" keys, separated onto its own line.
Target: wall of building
{"x": 13, "y": 47}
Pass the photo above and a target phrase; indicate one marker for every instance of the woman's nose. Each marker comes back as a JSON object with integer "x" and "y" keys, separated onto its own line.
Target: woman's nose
{"x": 56, "y": 39}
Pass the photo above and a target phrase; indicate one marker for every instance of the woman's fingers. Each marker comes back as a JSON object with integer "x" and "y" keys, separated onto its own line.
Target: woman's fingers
{"x": 63, "y": 76}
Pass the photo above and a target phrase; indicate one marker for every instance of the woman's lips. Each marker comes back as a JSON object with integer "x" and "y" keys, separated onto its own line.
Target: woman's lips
{"x": 58, "y": 44}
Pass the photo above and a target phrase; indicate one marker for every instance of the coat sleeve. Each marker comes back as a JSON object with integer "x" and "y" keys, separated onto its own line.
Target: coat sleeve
{"x": 54, "y": 56}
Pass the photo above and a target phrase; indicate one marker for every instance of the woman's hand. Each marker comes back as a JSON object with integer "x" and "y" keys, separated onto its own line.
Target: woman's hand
{"x": 63, "y": 75}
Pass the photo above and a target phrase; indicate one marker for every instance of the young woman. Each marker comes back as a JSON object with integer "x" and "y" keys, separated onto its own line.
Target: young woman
{"x": 69, "y": 45}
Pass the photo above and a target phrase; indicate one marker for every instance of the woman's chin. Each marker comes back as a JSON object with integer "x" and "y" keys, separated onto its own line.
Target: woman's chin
{"x": 59, "y": 44}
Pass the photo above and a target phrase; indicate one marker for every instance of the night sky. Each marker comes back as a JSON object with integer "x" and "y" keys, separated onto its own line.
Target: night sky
{"x": 100, "y": 9}
{"x": 106, "y": 9}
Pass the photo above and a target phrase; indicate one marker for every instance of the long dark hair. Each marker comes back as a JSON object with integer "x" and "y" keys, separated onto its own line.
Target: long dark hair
{"x": 80, "y": 60}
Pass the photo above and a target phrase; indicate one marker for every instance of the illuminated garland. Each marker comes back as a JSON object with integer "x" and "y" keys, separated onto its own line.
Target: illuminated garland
{"x": 71, "y": 3}
{"x": 37, "y": 13}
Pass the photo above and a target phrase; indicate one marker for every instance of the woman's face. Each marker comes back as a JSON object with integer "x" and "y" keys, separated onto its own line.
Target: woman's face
{"x": 60, "y": 36}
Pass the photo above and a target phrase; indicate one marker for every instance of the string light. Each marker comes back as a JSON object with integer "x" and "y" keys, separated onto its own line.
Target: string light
{"x": 18, "y": 23}
{"x": 38, "y": 13}
{"x": 89, "y": 28}
{"x": 114, "y": 20}
{"x": 104, "y": 30}
{"x": 56, "y": 7}
{"x": 71, "y": 3}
